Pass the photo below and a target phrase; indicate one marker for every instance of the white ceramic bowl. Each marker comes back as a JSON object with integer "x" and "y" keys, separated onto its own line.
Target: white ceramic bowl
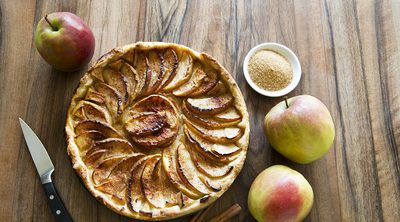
{"x": 284, "y": 51}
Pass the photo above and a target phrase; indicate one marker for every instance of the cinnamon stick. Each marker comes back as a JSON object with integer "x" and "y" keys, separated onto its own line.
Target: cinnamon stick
{"x": 227, "y": 214}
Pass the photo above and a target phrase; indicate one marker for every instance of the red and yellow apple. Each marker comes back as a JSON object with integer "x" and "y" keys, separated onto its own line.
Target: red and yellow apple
{"x": 64, "y": 41}
{"x": 300, "y": 128}
{"x": 280, "y": 194}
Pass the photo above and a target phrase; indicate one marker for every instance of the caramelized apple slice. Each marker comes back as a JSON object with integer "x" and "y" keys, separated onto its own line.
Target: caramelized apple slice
{"x": 94, "y": 96}
{"x": 118, "y": 175}
{"x": 169, "y": 163}
{"x": 112, "y": 99}
{"x": 211, "y": 184}
{"x": 115, "y": 65}
{"x": 145, "y": 124}
{"x": 154, "y": 103}
{"x": 208, "y": 166}
{"x": 141, "y": 65}
{"x": 79, "y": 114}
{"x": 118, "y": 81}
{"x": 101, "y": 172}
{"x": 229, "y": 115}
{"x": 156, "y": 187}
{"x": 88, "y": 110}
{"x": 188, "y": 172}
{"x": 93, "y": 111}
{"x": 104, "y": 128}
{"x": 86, "y": 139}
{"x": 207, "y": 83}
{"x": 183, "y": 72}
{"x": 171, "y": 64}
{"x": 209, "y": 105}
{"x": 97, "y": 73}
{"x": 206, "y": 121}
{"x": 132, "y": 79}
{"x": 135, "y": 197}
{"x": 106, "y": 148}
{"x": 218, "y": 152}
{"x": 167, "y": 114}
{"x": 156, "y": 65}
{"x": 163, "y": 137}
{"x": 218, "y": 89}
{"x": 129, "y": 57}
{"x": 193, "y": 83}
{"x": 146, "y": 210}
{"x": 158, "y": 104}
{"x": 219, "y": 135}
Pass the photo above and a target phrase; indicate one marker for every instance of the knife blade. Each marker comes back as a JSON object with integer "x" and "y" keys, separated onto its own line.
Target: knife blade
{"x": 45, "y": 169}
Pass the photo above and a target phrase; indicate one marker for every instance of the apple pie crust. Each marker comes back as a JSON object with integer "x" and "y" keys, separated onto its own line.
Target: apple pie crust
{"x": 157, "y": 130}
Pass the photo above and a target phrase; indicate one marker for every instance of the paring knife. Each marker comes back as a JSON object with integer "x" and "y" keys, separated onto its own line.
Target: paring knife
{"x": 45, "y": 168}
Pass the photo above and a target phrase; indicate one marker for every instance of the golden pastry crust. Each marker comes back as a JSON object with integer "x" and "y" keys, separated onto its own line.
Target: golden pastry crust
{"x": 157, "y": 130}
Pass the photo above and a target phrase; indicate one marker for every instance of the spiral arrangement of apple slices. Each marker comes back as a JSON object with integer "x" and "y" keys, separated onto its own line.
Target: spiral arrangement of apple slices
{"x": 158, "y": 130}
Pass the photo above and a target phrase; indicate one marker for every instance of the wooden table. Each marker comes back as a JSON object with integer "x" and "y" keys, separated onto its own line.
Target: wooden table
{"x": 349, "y": 51}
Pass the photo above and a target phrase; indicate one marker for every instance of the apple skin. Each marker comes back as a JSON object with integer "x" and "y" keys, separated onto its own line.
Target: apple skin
{"x": 67, "y": 44}
{"x": 280, "y": 194}
{"x": 303, "y": 132}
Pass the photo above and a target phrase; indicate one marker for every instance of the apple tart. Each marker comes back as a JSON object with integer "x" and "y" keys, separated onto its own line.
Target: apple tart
{"x": 157, "y": 130}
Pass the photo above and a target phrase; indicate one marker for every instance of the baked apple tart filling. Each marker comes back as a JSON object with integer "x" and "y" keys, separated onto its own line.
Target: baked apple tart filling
{"x": 157, "y": 130}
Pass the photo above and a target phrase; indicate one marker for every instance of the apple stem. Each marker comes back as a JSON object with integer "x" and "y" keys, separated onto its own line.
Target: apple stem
{"x": 286, "y": 102}
{"x": 47, "y": 20}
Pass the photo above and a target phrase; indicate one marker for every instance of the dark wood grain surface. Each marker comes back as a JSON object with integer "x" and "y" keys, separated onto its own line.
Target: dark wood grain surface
{"x": 349, "y": 51}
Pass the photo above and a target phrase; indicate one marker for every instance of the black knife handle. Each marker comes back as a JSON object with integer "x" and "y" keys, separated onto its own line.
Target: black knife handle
{"x": 56, "y": 204}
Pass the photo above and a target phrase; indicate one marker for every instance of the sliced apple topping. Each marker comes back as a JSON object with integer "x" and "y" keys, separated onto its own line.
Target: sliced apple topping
{"x": 183, "y": 200}
{"x": 208, "y": 166}
{"x": 206, "y": 121}
{"x": 136, "y": 199}
{"x": 132, "y": 79}
{"x": 207, "y": 83}
{"x": 147, "y": 210}
{"x": 101, "y": 172}
{"x": 219, "y": 135}
{"x": 211, "y": 184}
{"x": 106, "y": 148}
{"x": 154, "y": 103}
{"x": 118, "y": 81}
{"x": 79, "y": 114}
{"x": 209, "y": 105}
{"x": 169, "y": 163}
{"x": 193, "y": 83}
{"x": 218, "y": 89}
{"x": 104, "y": 128}
{"x": 183, "y": 72}
{"x": 97, "y": 74}
{"x": 187, "y": 171}
{"x": 93, "y": 111}
{"x": 115, "y": 65}
{"x": 142, "y": 67}
{"x": 219, "y": 152}
{"x": 86, "y": 139}
{"x": 112, "y": 99}
{"x": 113, "y": 178}
{"x": 94, "y": 96}
{"x": 156, "y": 66}
{"x": 154, "y": 122}
{"x": 145, "y": 123}
{"x": 129, "y": 57}
{"x": 229, "y": 115}
{"x": 171, "y": 64}
{"x": 156, "y": 186}
{"x": 88, "y": 110}
{"x": 161, "y": 138}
